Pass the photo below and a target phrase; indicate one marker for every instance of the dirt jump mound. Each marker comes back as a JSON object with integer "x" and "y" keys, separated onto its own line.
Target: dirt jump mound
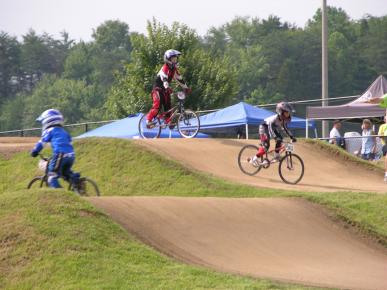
{"x": 12, "y": 145}
{"x": 323, "y": 171}
{"x": 282, "y": 239}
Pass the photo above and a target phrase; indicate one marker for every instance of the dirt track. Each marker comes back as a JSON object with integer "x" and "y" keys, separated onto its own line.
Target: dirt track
{"x": 283, "y": 239}
{"x": 323, "y": 172}
{"x": 12, "y": 145}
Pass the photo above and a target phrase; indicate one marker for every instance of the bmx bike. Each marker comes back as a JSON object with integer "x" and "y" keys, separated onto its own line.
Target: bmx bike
{"x": 85, "y": 186}
{"x": 290, "y": 165}
{"x": 186, "y": 121}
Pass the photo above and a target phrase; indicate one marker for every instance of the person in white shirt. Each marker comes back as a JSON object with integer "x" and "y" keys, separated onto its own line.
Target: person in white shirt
{"x": 368, "y": 144}
{"x": 335, "y": 136}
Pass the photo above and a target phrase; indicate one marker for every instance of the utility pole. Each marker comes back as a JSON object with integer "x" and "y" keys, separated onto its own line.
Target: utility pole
{"x": 324, "y": 65}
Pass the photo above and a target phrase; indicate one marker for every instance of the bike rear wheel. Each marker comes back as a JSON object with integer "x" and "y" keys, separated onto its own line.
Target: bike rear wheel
{"x": 149, "y": 133}
{"x": 245, "y": 163}
{"x": 188, "y": 124}
{"x": 37, "y": 182}
{"x": 291, "y": 168}
{"x": 86, "y": 187}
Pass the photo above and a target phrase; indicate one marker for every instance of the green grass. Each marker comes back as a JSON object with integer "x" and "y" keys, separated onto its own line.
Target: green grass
{"x": 121, "y": 167}
{"x": 345, "y": 155}
{"x": 54, "y": 238}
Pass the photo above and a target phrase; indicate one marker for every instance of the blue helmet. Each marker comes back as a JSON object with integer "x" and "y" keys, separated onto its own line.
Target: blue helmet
{"x": 50, "y": 118}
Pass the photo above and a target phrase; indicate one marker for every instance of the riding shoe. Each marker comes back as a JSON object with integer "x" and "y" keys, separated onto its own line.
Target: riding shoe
{"x": 150, "y": 124}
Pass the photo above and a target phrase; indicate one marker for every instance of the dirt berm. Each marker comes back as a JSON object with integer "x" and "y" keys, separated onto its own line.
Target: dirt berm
{"x": 323, "y": 171}
{"x": 12, "y": 145}
{"x": 281, "y": 239}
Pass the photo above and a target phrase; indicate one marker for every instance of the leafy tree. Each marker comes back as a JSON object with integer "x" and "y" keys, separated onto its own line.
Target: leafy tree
{"x": 252, "y": 70}
{"x": 216, "y": 41}
{"x": 9, "y": 65}
{"x": 78, "y": 64}
{"x": 250, "y": 59}
{"x": 71, "y": 97}
{"x": 42, "y": 54}
{"x": 372, "y": 43}
{"x": 111, "y": 50}
{"x": 338, "y": 21}
{"x": 12, "y": 113}
{"x": 112, "y": 35}
{"x": 212, "y": 79}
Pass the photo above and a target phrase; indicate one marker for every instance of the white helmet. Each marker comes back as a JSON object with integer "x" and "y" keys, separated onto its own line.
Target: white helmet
{"x": 50, "y": 118}
{"x": 284, "y": 107}
{"x": 170, "y": 53}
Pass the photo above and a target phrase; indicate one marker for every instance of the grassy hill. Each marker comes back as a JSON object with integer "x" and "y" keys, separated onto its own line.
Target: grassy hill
{"x": 54, "y": 238}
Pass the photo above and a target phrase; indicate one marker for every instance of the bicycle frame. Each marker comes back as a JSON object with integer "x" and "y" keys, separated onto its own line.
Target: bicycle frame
{"x": 174, "y": 111}
{"x": 281, "y": 151}
{"x": 45, "y": 176}
{"x": 187, "y": 122}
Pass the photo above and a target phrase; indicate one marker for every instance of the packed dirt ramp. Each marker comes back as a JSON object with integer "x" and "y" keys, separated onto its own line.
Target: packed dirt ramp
{"x": 282, "y": 239}
{"x": 12, "y": 145}
{"x": 323, "y": 172}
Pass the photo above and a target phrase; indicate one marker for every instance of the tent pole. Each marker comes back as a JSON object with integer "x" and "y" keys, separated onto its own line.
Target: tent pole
{"x": 170, "y": 133}
{"x": 315, "y": 133}
{"x": 324, "y": 64}
{"x": 247, "y": 131}
{"x": 306, "y": 128}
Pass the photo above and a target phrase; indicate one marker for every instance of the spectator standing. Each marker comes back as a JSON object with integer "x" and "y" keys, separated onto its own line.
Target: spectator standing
{"x": 335, "y": 136}
{"x": 368, "y": 144}
{"x": 383, "y": 132}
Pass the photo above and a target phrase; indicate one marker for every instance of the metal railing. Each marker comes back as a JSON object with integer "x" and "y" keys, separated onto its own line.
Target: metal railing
{"x": 290, "y": 102}
{"x": 22, "y": 132}
{"x": 353, "y": 137}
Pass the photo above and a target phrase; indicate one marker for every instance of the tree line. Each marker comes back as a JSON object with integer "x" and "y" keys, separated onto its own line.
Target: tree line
{"x": 247, "y": 59}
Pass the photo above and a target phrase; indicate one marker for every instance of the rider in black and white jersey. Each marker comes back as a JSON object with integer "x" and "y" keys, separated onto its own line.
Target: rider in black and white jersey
{"x": 272, "y": 128}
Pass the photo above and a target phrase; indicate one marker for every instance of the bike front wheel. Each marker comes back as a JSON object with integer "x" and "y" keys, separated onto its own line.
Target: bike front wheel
{"x": 245, "y": 160}
{"x": 37, "y": 182}
{"x": 86, "y": 187}
{"x": 149, "y": 132}
{"x": 188, "y": 124}
{"x": 291, "y": 168}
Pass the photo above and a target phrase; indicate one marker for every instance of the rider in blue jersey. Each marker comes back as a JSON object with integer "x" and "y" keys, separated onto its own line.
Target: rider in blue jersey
{"x": 63, "y": 152}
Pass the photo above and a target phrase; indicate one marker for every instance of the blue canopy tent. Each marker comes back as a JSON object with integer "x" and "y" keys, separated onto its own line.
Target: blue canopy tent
{"x": 239, "y": 116}
{"x": 128, "y": 128}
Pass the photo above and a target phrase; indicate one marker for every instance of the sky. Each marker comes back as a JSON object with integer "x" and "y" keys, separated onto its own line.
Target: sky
{"x": 80, "y": 17}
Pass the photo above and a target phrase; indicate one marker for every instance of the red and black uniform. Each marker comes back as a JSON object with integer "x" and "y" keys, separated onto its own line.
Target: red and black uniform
{"x": 161, "y": 93}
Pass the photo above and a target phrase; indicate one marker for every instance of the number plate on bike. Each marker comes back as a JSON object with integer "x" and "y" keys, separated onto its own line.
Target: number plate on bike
{"x": 289, "y": 147}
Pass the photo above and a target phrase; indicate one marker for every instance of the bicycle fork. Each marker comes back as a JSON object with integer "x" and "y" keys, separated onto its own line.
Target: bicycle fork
{"x": 289, "y": 161}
